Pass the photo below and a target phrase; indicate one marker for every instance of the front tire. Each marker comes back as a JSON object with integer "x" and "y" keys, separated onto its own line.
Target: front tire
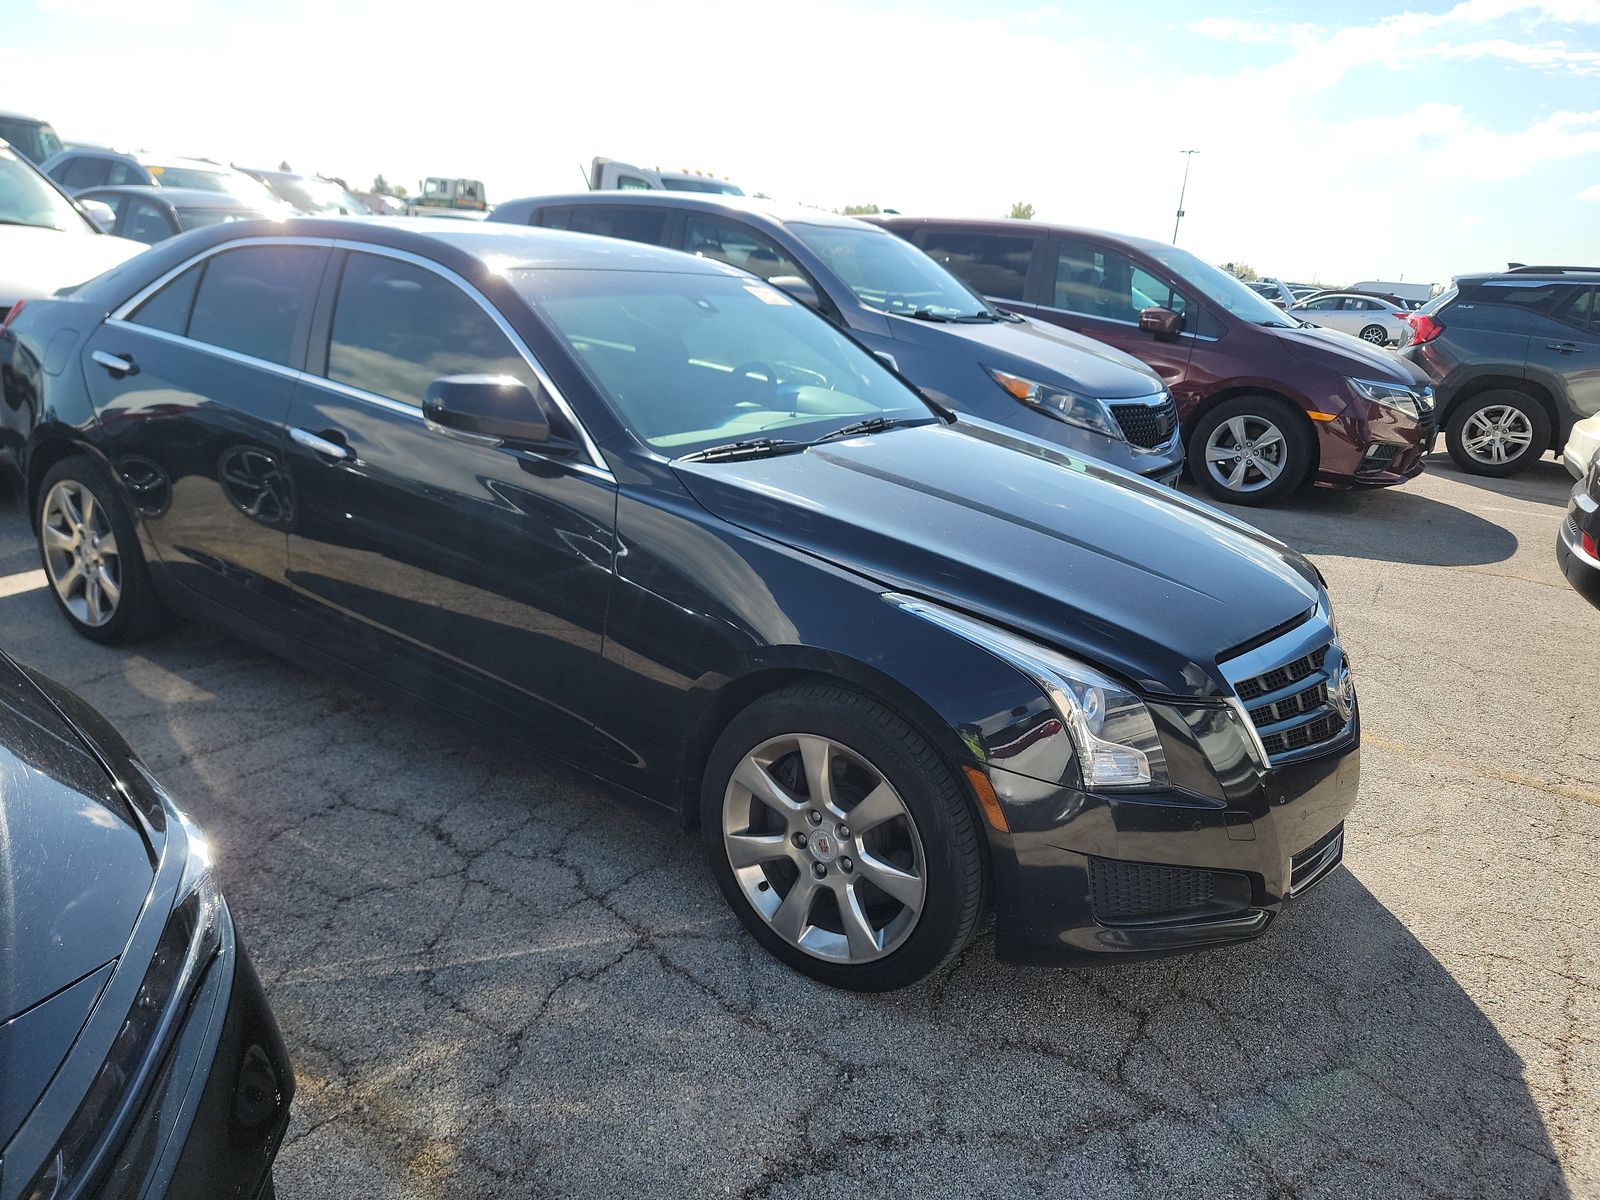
{"x": 1250, "y": 450}
{"x": 1497, "y": 433}
{"x": 841, "y": 839}
{"x": 90, "y": 551}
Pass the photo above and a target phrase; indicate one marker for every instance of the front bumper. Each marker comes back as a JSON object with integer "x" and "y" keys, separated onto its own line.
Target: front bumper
{"x": 1081, "y": 877}
{"x": 1384, "y": 450}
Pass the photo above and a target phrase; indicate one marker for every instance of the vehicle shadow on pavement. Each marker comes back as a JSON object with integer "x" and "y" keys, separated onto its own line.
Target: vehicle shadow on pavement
{"x": 496, "y": 980}
{"x": 1392, "y": 525}
{"x": 1545, "y": 482}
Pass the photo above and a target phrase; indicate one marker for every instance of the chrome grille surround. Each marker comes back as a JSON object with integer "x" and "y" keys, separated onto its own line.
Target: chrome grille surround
{"x": 1292, "y": 690}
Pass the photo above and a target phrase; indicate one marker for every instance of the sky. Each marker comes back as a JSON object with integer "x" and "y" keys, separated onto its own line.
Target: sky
{"x": 1337, "y": 142}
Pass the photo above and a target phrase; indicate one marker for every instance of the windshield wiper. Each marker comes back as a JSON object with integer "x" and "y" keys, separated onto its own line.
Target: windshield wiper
{"x": 747, "y": 448}
{"x": 29, "y": 224}
{"x": 927, "y": 314}
{"x": 870, "y": 425}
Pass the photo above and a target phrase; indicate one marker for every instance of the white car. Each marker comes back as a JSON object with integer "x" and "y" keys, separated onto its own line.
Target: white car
{"x": 1582, "y": 445}
{"x": 46, "y": 241}
{"x": 1366, "y": 317}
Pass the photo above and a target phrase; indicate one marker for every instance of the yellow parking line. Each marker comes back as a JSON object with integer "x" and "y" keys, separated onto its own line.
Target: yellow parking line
{"x": 22, "y": 581}
{"x": 1569, "y": 791}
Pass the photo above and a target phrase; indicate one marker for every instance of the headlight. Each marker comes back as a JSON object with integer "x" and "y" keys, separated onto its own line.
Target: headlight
{"x": 1111, "y": 728}
{"x": 1084, "y": 411}
{"x": 1390, "y": 395}
{"x": 188, "y": 941}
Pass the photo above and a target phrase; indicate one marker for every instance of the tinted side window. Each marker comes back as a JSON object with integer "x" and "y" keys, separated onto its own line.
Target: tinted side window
{"x": 398, "y": 327}
{"x": 990, "y": 263}
{"x": 147, "y": 223}
{"x": 1100, "y": 282}
{"x": 550, "y": 218}
{"x": 124, "y": 172}
{"x": 610, "y": 220}
{"x": 250, "y": 300}
{"x": 736, "y": 244}
{"x": 1322, "y": 304}
{"x": 1578, "y": 309}
{"x": 84, "y": 171}
{"x": 169, "y": 308}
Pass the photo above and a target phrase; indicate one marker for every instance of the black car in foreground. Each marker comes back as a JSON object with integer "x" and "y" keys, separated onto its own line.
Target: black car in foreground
{"x": 138, "y": 1057}
{"x": 649, "y": 515}
{"x": 1578, "y": 543}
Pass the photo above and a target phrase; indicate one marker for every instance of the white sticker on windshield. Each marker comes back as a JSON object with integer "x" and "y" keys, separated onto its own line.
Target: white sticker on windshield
{"x": 765, "y": 294}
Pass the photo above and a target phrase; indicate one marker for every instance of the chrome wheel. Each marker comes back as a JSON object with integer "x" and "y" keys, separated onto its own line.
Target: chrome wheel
{"x": 1496, "y": 434}
{"x": 80, "y": 553}
{"x": 824, "y": 848}
{"x": 1376, "y": 334}
{"x": 1246, "y": 453}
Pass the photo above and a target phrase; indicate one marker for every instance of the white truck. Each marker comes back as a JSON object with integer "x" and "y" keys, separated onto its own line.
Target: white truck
{"x": 609, "y": 175}
{"x": 441, "y": 197}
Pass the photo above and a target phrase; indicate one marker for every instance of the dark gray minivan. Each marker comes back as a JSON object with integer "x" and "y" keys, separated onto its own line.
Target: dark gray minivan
{"x": 911, "y": 312}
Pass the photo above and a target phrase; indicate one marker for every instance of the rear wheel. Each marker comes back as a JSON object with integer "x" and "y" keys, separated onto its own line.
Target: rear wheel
{"x": 90, "y": 552}
{"x": 1250, "y": 450}
{"x": 841, "y": 839}
{"x": 1376, "y": 334}
{"x": 1497, "y": 433}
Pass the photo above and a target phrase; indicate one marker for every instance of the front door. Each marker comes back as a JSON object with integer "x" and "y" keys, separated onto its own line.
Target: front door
{"x": 192, "y": 386}
{"x": 432, "y": 559}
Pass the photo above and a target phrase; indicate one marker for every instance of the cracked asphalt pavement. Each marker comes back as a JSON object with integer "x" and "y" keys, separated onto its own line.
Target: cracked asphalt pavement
{"x": 497, "y": 980}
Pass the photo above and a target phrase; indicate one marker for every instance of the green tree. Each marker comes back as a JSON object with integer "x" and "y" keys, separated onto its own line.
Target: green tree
{"x": 1243, "y": 272}
{"x": 860, "y": 210}
{"x": 284, "y": 166}
{"x": 1022, "y": 210}
{"x": 399, "y": 189}
{"x": 380, "y": 186}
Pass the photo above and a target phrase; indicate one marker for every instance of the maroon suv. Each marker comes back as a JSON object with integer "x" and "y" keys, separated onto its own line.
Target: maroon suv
{"x": 1265, "y": 402}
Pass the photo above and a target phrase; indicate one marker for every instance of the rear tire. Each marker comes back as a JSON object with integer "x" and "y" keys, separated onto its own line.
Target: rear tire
{"x": 1376, "y": 334}
{"x": 1224, "y": 438}
{"x": 1497, "y": 433}
{"x": 89, "y": 547}
{"x": 784, "y": 785}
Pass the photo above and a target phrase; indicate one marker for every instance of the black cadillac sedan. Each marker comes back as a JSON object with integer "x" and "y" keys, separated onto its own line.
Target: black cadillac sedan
{"x": 647, "y": 514}
{"x": 138, "y": 1057}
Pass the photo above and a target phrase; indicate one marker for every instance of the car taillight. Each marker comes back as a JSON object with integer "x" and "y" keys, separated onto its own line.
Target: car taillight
{"x": 1426, "y": 327}
{"x": 12, "y": 315}
{"x": 1589, "y": 547}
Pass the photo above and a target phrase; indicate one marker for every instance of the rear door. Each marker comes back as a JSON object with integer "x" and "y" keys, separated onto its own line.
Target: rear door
{"x": 1564, "y": 353}
{"x": 433, "y": 559}
{"x": 192, "y": 380}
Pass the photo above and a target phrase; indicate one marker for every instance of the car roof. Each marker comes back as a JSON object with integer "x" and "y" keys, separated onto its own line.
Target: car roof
{"x": 498, "y": 247}
{"x": 16, "y": 114}
{"x": 1017, "y": 225}
{"x": 712, "y": 202}
{"x": 190, "y": 197}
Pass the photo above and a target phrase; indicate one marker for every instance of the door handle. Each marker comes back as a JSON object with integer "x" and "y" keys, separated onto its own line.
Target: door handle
{"x": 321, "y": 445}
{"x": 1564, "y": 347}
{"x": 118, "y": 364}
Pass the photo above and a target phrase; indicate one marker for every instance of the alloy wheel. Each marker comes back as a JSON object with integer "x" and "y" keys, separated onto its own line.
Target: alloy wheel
{"x": 1496, "y": 434}
{"x": 1246, "y": 453}
{"x": 824, "y": 848}
{"x": 80, "y": 553}
{"x": 1376, "y": 335}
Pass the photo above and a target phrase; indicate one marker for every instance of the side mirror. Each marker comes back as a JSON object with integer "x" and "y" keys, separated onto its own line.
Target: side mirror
{"x": 798, "y": 288}
{"x": 101, "y": 213}
{"x": 1162, "y": 322}
{"x": 490, "y": 409}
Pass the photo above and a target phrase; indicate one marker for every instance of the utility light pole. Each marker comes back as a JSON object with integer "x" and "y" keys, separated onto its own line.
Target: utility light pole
{"x": 1188, "y": 158}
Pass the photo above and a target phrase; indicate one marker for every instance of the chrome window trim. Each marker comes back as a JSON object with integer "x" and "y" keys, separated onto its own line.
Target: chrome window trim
{"x": 121, "y": 315}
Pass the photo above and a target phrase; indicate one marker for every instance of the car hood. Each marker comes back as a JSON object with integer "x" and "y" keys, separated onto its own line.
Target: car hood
{"x": 35, "y": 262}
{"x": 1349, "y": 356}
{"x": 1096, "y": 561}
{"x": 75, "y": 872}
{"x": 1040, "y": 352}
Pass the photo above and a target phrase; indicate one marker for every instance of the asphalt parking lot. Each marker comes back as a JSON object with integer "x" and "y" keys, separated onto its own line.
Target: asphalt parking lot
{"x": 498, "y": 981}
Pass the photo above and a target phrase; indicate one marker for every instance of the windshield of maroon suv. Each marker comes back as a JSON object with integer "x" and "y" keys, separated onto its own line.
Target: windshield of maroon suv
{"x": 688, "y": 361}
{"x": 26, "y": 199}
{"x": 1223, "y": 289}
{"x": 888, "y": 273}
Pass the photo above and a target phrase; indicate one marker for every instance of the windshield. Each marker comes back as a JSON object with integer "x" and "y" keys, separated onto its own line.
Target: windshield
{"x": 34, "y": 140}
{"x": 691, "y": 361}
{"x": 888, "y": 273}
{"x": 1224, "y": 289}
{"x": 26, "y": 198}
{"x": 318, "y": 196}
